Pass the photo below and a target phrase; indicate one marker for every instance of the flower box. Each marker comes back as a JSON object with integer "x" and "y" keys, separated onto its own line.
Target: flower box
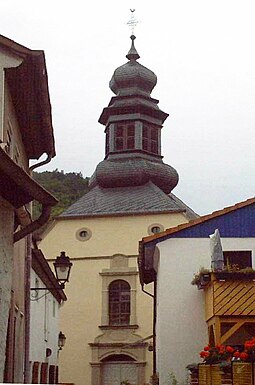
{"x": 235, "y": 275}
{"x": 212, "y": 374}
{"x": 242, "y": 373}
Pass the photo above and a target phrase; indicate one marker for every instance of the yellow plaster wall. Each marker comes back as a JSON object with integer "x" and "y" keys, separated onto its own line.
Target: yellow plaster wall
{"x": 110, "y": 235}
{"x": 81, "y": 314}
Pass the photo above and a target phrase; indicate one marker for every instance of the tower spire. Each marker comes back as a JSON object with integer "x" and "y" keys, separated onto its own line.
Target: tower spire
{"x": 132, "y": 53}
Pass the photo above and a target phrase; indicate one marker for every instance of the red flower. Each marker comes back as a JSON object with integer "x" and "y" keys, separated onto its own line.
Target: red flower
{"x": 206, "y": 348}
{"x": 204, "y": 354}
{"x": 237, "y": 354}
{"x": 243, "y": 356}
{"x": 229, "y": 349}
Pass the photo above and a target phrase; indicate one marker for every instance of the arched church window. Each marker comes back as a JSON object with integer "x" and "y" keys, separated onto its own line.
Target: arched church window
{"x": 150, "y": 139}
{"x": 124, "y": 138}
{"x": 119, "y": 303}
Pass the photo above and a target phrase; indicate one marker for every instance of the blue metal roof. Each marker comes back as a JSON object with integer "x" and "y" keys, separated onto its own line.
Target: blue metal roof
{"x": 239, "y": 223}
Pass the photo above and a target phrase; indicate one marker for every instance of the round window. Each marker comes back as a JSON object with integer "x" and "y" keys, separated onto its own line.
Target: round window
{"x": 83, "y": 234}
{"x": 155, "y": 228}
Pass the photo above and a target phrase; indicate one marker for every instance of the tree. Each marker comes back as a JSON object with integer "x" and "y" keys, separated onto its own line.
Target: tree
{"x": 67, "y": 188}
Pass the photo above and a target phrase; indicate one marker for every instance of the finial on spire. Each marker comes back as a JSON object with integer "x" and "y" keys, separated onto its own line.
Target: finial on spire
{"x": 132, "y": 53}
{"x": 132, "y": 22}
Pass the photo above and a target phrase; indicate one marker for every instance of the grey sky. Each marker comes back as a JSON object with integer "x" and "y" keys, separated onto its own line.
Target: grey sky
{"x": 203, "y": 55}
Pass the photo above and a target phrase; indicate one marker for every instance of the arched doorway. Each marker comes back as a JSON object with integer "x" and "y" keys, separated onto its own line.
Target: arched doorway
{"x": 119, "y": 368}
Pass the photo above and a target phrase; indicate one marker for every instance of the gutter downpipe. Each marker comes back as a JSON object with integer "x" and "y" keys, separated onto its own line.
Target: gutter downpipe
{"x": 45, "y": 215}
{"x": 154, "y": 296}
{"x": 27, "y": 232}
{"x": 27, "y": 274}
{"x": 154, "y": 328}
{"x": 47, "y": 160}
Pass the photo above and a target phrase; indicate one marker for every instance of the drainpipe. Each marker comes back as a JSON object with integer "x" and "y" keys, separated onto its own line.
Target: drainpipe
{"x": 27, "y": 232}
{"x": 49, "y": 157}
{"x": 28, "y": 263}
{"x": 45, "y": 215}
{"x": 154, "y": 296}
{"x": 154, "y": 327}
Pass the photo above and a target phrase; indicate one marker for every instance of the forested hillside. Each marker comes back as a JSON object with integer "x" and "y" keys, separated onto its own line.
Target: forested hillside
{"x": 67, "y": 188}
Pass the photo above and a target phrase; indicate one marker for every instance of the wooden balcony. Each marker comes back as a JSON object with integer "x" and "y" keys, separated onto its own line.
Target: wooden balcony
{"x": 230, "y": 306}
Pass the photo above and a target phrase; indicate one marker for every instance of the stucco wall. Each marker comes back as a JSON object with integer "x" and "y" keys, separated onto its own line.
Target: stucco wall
{"x": 6, "y": 261}
{"x": 81, "y": 316}
{"x": 44, "y": 329}
{"x": 181, "y": 326}
{"x": 110, "y": 235}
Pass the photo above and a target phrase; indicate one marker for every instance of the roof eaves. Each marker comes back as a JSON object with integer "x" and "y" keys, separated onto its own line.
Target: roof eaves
{"x": 20, "y": 182}
{"x": 31, "y": 73}
{"x": 118, "y": 214}
{"x": 14, "y": 47}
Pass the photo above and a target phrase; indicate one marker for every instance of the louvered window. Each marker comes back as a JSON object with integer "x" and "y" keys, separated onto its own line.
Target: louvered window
{"x": 124, "y": 138}
{"x": 150, "y": 139}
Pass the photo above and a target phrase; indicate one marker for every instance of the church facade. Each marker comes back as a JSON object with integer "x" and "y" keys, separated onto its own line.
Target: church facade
{"x": 108, "y": 319}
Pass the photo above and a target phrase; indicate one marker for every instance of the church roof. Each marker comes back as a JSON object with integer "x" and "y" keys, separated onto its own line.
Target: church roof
{"x": 145, "y": 199}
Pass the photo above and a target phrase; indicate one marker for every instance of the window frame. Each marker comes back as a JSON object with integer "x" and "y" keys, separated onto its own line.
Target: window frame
{"x": 119, "y": 303}
{"x": 234, "y": 256}
{"x": 119, "y": 269}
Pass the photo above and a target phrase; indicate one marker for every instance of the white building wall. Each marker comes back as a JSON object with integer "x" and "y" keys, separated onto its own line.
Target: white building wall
{"x": 44, "y": 327}
{"x": 181, "y": 326}
{"x": 6, "y": 261}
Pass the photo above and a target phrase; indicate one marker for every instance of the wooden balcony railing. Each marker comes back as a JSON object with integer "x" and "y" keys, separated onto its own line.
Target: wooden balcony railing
{"x": 229, "y": 304}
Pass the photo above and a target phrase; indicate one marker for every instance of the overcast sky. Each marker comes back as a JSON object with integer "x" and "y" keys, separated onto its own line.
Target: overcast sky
{"x": 203, "y": 53}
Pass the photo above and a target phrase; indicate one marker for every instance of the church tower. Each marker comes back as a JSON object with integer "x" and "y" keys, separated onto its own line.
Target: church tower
{"x": 107, "y": 319}
{"x": 133, "y": 124}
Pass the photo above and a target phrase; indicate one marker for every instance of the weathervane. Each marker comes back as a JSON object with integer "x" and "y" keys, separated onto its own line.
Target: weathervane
{"x": 132, "y": 23}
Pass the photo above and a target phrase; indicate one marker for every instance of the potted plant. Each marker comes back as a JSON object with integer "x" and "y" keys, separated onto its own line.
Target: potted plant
{"x": 201, "y": 278}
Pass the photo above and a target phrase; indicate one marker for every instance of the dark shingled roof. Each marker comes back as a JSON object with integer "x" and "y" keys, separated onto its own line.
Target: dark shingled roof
{"x": 144, "y": 199}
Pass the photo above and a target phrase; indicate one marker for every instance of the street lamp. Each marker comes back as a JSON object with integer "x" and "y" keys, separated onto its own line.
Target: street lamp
{"x": 61, "y": 340}
{"x": 62, "y": 267}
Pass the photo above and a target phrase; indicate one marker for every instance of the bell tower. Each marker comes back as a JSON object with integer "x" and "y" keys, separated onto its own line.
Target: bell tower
{"x": 133, "y": 123}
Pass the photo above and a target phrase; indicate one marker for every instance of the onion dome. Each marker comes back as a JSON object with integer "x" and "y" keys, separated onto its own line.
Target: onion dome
{"x": 133, "y": 78}
{"x": 134, "y": 172}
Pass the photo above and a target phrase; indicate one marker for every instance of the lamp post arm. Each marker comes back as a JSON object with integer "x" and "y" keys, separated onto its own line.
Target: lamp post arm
{"x": 61, "y": 287}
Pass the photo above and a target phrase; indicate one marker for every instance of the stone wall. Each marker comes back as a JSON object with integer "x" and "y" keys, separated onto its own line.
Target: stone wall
{"x": 6, "y": 261}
